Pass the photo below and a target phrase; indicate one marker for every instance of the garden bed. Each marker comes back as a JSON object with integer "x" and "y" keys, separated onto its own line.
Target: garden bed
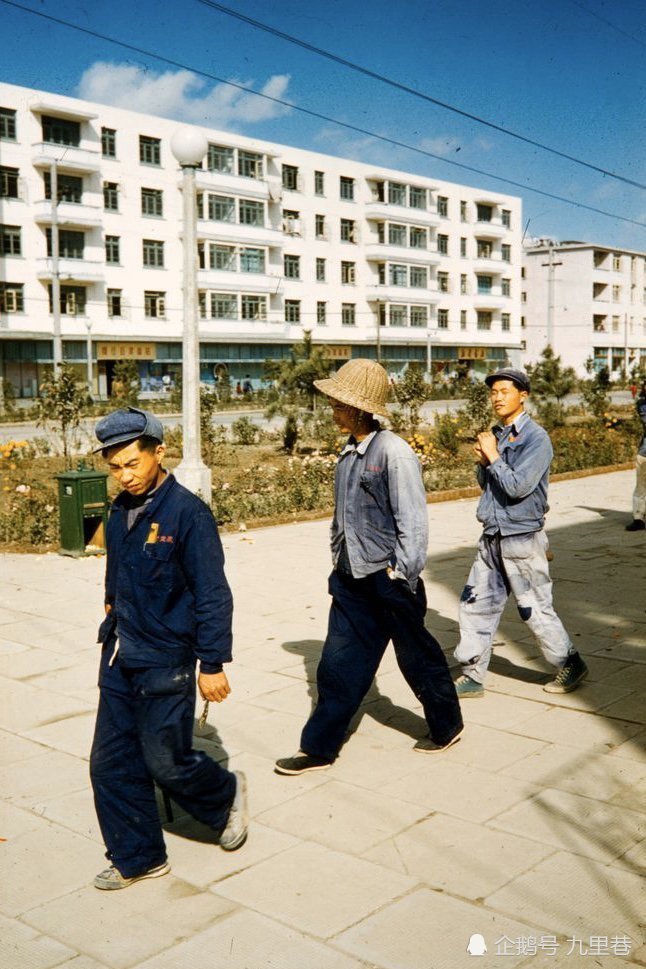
{"x": 259, "y": 484}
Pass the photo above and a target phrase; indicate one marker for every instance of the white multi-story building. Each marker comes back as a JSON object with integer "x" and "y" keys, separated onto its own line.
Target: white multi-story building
{"x": 587, "y": 302}
{"x": 373, "y": 262}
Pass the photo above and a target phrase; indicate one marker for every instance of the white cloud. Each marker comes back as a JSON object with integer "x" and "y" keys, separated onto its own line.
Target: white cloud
{"x": 181, "y": 94}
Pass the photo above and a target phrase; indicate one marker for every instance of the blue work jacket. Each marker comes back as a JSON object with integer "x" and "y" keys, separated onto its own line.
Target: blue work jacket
{"x": 640, "y": 403}
{"x": 380, "y": 507}
{"x": 514, "y": 496}
{"x": 165, "y": 581}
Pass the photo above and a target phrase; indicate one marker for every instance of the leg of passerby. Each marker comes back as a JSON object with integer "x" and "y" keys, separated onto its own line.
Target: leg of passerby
{"x": 355, "y": 643}
{"x": 420, "y": 658}
{"x": 124, "y": 793}
{"x": 527, "y": 569}
{"x": 165, "y": 709}
{"x": 638, "y": 523}
{"x": 481, "y": 606}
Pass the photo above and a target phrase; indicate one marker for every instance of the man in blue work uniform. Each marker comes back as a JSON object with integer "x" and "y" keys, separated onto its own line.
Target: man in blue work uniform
{"x": 167, "y": 604}
{"x": 379, "y": 539}
{"x": 513, "y": 470}
{"x": 638, "y": 524}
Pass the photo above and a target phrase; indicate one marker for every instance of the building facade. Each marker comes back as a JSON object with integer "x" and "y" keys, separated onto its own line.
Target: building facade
{"x": 372, "y": 261}
{"x": 587, "y": 302}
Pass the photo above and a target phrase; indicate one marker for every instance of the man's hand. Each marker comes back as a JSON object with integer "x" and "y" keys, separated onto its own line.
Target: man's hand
{"x": 480, "y": 456}
{"x": 488, "y": 446}
{"x": 213, "y": 686}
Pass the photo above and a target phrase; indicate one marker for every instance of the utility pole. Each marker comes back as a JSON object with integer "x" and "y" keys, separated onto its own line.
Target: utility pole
{"x": 551, "y": 265}
{"x": 56, "y": 282}
{"x": 625, "y": 345}
{"x": 88, "y": 354}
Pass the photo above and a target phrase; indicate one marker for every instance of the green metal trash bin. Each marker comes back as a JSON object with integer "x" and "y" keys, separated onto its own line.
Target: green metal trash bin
{"x": 83, "y": 506}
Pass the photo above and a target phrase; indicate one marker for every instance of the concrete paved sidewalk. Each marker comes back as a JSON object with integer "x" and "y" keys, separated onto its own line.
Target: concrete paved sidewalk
{"x": 530, "y": 832}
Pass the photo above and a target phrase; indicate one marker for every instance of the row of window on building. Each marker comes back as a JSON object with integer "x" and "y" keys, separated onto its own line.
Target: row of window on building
{"x": 228, "y": 160}
{"x": 234, "y": 306}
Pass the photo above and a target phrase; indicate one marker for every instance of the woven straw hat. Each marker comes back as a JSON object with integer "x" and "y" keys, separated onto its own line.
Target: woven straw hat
{"x": 359, "y": 383}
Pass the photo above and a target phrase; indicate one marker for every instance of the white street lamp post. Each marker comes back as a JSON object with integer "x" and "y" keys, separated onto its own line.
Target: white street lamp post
{"x": 189, "y": 147}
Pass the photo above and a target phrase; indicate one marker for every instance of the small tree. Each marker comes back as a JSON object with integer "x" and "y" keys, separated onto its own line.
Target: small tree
{"x": 595, "y": 392}
{"x": 477, "y": 413}
{"x": 60, "y": 406}
{"x": 296, "y": 374}
{"x": 295, "y": 378}
{"x": 411, "y": 392}
{"x": 551, "y": 382}
{"x": 126, "y": 383}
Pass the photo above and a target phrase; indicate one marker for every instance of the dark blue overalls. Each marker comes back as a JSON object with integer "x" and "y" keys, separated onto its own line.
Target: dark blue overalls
{"x": 171, "y": 605}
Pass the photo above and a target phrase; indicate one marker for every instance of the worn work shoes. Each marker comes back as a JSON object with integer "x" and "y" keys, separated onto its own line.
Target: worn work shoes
{"x": 466, "y": 687}
{"x": 300, "y": 763}
{"x": 112, "y": 879}
{"x": 428, "y": 746}
{"x": 636, "y": 525}
{"x": 569, "y": 676}
{"x": 235, "y": 833}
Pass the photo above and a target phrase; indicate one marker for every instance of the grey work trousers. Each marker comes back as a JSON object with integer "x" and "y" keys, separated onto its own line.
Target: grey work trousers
{"x": 516, "y": 564}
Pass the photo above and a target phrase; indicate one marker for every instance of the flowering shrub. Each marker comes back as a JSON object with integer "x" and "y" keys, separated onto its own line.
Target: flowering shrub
{"x": 591, "y": 446}
{"x": 268, "y": 490}
{"x": 29, "y": 517}
{"x": 14, "y": 450}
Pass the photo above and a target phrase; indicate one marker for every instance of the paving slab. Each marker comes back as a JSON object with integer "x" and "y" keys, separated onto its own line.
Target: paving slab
{"x": 25, "y": 706}
{"x": 568, "y": 894}
{"x": 460, "y": 791}
{"x": 23, "y": 948}
{"x": 25, "y": 783}
{"x": 314, "y": 889}
{"x": 42, "y": 864}
{"x": 587, "y": 772}
{"x": 247, "y": 940}
{"x": 146, "y": 918}
{"x": 459, "y": 857}
{"x": 343, "y": 816}
{"x": 427, "y": 926}
{"x": 581, "y": 825}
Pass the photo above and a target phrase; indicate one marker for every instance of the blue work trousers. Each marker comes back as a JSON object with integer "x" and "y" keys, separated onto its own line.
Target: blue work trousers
{"x": 364, "y": 616}
{"x": 143, "y": 735}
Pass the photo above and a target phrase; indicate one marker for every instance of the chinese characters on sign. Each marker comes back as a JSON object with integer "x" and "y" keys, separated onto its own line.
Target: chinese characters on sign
{"x": 126, "y": 351}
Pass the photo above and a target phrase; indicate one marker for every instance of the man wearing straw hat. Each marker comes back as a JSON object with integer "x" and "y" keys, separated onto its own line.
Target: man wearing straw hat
{"x": 379, "y": 538}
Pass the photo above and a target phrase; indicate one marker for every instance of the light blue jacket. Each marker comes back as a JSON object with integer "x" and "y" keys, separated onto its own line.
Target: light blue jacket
{"x": 641, "y": 411}
{"x": 514, "y": 495}
{"x": 380, "y": 507}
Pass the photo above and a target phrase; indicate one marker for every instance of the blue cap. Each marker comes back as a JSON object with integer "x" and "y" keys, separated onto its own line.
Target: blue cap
{"x": 123, "y": 426}
{"x": 518, "y": 377}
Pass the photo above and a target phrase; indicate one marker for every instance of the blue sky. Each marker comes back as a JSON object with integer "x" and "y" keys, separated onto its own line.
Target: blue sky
{"x": 554, "y": 71}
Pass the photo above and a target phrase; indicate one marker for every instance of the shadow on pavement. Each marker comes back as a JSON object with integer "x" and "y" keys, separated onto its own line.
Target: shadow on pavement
{"x": 375, "y": 705}
{"x": 173, "y": 817}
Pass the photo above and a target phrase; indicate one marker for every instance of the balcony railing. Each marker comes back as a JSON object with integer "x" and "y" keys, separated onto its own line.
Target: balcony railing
{"x": 68, "y": 157}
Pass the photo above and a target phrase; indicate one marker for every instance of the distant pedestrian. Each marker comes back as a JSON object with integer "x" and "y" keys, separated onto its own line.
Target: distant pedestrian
{"x": 513, "y": 470}
{"x": 638, "y": 524}
{"x": 238, "y": 388}
{"x": 167, "y": 604}
{"x": 247, "y": 386}
{"x": 379, "y": 539}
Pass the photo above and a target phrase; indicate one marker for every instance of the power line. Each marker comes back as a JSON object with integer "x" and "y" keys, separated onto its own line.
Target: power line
{"x": 409, "y": 90}
{"x": 608, "y": 23}
{"x": 321, "y": 117}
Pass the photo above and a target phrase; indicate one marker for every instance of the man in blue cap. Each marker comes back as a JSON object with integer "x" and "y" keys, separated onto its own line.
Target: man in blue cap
{"x": 513, "y": 470}
{"x": 168, "y": 604}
